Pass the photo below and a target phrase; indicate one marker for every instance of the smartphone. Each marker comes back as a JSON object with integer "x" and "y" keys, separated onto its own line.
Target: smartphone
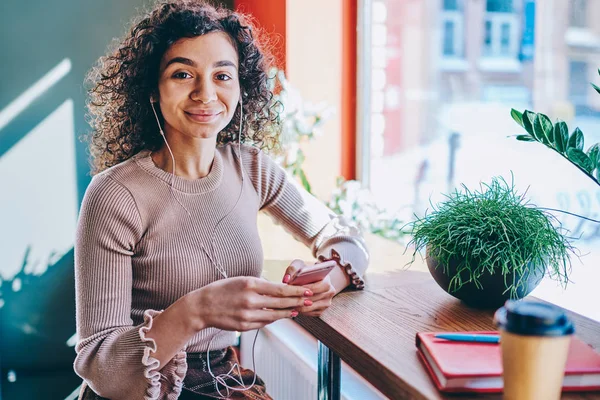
{"x": 312, "y": 273}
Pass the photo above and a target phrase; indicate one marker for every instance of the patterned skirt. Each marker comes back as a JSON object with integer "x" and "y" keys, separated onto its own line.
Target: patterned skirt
{"x": 199, "y": 384}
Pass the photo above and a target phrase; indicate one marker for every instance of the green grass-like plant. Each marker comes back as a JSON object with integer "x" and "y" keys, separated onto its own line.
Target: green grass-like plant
{"x": 494, "y": 229}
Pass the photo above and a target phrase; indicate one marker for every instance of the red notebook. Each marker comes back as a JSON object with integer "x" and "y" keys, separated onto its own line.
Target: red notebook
{"x": 477, "y": 367}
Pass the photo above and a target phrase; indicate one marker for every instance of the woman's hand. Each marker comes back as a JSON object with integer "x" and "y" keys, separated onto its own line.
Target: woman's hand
{"x": 244, "y": 303}
{"x": 323, "y": 292}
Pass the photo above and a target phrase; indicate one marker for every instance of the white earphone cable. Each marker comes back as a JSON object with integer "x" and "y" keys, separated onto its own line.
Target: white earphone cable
{"x": 219, "y": 379}
{"x": 217, "y": 266}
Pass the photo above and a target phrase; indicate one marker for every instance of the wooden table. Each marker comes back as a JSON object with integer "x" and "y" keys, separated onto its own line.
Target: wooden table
{"x": 374, "y": 330}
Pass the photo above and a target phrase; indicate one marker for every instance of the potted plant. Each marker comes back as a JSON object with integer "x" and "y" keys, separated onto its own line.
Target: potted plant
{"x": 490, "y": 245}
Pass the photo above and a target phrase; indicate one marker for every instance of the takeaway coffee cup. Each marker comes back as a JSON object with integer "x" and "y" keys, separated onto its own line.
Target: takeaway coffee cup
{"x": 534, "y": 339}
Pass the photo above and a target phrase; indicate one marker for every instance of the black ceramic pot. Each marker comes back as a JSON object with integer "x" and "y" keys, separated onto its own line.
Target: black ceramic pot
{"x": 491, "y": 295}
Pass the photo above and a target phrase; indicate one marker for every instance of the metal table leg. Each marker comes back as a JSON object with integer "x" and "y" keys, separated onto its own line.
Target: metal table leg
{"x": 330, "y": 368}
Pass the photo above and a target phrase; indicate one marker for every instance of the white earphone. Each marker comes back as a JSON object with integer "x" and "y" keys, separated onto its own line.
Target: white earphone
{"x": 221, "y": 377}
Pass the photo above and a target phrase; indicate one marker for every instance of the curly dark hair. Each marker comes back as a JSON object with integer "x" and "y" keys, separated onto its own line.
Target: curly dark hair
{"x": 122, "y": 82}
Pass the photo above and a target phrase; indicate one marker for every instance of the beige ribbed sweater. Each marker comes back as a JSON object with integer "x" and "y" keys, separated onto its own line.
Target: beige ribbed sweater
{"x": 137, "y": 251}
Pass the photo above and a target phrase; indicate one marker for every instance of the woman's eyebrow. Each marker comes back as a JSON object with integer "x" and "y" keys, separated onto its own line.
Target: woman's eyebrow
{"x": 224, "y": 63}
{"x": 181, "y": 60}
{"x": 192, "y": 63}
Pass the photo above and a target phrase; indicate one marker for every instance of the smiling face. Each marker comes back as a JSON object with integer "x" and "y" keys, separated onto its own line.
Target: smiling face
{"x": 198, "y": 86}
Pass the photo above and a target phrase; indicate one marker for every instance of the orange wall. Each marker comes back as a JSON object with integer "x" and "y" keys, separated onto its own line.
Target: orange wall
{"x": 269, "y": 15}
{"x": 302, "y": 37}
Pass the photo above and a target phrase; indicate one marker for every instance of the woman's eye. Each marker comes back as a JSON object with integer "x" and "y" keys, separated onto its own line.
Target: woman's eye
{"x": 181, "y": 75}
{"x": 223, "y": 77}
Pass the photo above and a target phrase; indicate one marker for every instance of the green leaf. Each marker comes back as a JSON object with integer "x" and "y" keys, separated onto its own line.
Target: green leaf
{"x": 561, "y": 136}
{"x": 550, "y": 134}
{"x": 517, "y": 116}
{"x": 596, "y": 87}
{"x": 598, "y": 173}
{"x": 528, "y": 118}
{"x": 541, "y": 128}
{"x": 593, "y": 153}
{"x": 304, "y": 180}
{"x": 576, "y": 140}
{"x": 579, "y": 158}
{"x": 525, "y": 138}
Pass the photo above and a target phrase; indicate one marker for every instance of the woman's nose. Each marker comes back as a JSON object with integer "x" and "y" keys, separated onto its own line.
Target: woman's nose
{"x": 204, "y": 91}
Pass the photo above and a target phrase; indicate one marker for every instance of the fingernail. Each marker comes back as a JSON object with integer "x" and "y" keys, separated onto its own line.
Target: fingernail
{"x": 294, "y": 314}
{"x": 307, "y": 303}
{"x": 308, "y": 293}
{"x": 287, "y": 278}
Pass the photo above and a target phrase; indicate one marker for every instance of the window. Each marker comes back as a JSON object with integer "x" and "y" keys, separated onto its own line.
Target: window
{"x": 448, "y": 38}
{"x": 431, "y": 129}
{"x": 578, "y": 87}
{"x": 452, "y": 5}
{"x": 578, "y": 13}
{"x": 488, "y": 33}
{"x": 505, "y": 38}
{"x": 582, "y": 30}
{"x": 452, "y": 29}
{"x": 501, "y": 30}
{"x": 505, "y": 6}
{"x": 581, "y": 95}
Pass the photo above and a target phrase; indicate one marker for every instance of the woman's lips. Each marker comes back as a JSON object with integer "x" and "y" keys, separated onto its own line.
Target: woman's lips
{"x": 203, "y": 117}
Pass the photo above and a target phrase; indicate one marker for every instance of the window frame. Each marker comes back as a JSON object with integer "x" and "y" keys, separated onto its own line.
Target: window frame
{"x": 456, "y": 17}
{"x": 497, "y": 20}
{"x": 363, "y": 97}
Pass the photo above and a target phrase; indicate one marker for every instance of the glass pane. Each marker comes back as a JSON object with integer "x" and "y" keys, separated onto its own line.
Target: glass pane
{"x": 578, "y": 16}
{"x": 448, "y": 38}
{"x": 578, "y": 88}
{"x": 487, "y": 41}
{"x": 505, "y": 38}
{"x": 499, "y": 6}
{"x": 438, "y": 122}
{"x": 450, "y": 4}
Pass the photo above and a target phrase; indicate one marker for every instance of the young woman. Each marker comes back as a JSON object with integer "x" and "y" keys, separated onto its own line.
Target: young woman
{"x": 168, "y": 257}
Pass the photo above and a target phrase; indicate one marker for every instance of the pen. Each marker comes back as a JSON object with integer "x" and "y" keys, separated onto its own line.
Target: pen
{"x": 467, "y": 337}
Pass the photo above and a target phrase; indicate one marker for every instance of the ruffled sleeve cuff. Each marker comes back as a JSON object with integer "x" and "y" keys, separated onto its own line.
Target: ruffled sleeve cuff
{"x": 167, "y": 382}
{"x": 356, "y": 281}
{"x": 341, "y": 240}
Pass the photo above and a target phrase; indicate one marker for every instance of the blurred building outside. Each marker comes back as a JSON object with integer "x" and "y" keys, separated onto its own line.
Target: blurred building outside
{"x": 444, "y": 76}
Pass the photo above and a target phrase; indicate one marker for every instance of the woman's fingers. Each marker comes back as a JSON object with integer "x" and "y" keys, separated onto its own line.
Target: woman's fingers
{"x": 318, "y": 297}
{"x": 283, "y": 302}
{"x": 264, "y": 287}
{"x": 320, "y": 305}
{"x": 269, "y": 301}
{"x": 319, "y": 287}
{"x": 279, "y": 296}
{"x": 294, "y": 266}
{"x": 250, "y": 319}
